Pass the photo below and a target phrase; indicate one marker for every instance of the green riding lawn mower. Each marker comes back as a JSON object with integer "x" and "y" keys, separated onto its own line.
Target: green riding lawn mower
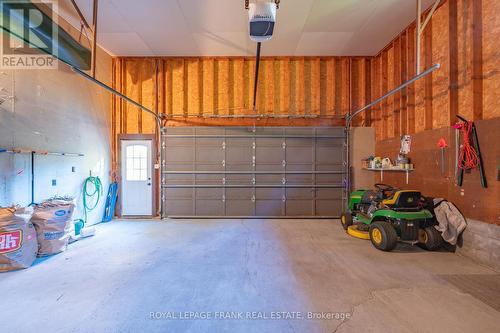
{"x": 387, "y": 215}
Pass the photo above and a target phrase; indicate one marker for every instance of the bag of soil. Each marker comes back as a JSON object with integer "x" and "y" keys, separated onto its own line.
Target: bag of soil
{"x": 53, "y": 222}
{"x": 18, "y": 243}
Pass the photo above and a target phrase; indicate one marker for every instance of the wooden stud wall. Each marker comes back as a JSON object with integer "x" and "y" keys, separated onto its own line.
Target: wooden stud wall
{"x": 463, "y": 37}
{"x": 192, "y": 87}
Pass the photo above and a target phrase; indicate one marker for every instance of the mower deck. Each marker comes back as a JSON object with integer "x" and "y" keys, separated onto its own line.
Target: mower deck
{"x": 354, "y": 231}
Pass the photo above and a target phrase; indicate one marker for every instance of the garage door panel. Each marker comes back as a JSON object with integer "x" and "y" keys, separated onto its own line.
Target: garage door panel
{"x": 305, "y": 167}
{"x": 269, "y": 155}
{"x": 209, "y": 154}
{"x": 335, "y": 167}
{"x": 328, "y": 194}
{"x": 232, "y": 131}
{"x": 300, "y": 193}
{"x": 299, "y": 142}
{"x": 302, "y": 131}
{"x": 269, "y": 208}
{"x": 337, "y": 131}
{"x": 179, "y": 207}
{"x": 239, "y": 180}
{"x": 329, "y": 156}
{"x": 239, "y": 193}
{"x": 200, "y": 131}
{"x": 275, "y": 131}
{"x": 329, "y": 179}
{"x": 209, "y": 193}
{"x": 328, "y": 207}
{"x": 269, "y": 167}
{"x": 240, "y": 208}
{"x": 330, "y": 143}
{"x": 178, "y": 167}
{"x": 179, "y": 142}
{"x": 209, "y": 207}
{"x": 269, "y": 150}
{"x": 241, "y": 156}
{"x": 209, "y": 179}
{"x": 179, "y": 154}
{"x": 178, "y": 194}
{"x": 269, "y": 193}
{"x": 299, "y": 179}
{"x": 213, "y": 166}
{"x": 269, "y": 179}
{"x": 179, "y": 179}
{"x": 181, "y": 130}
{"x": 299, "y": 155}
{"x": 299, "y": 208}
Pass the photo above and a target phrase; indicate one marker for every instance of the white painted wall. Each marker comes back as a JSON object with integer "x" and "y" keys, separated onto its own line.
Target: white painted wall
{"x": 54, "y": 110}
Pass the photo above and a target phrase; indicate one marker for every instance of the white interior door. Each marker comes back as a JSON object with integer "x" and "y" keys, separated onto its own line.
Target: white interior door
{"x": 136, "y": 183}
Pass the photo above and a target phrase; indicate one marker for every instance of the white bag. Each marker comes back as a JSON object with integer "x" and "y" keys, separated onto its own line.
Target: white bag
{"x": 53, "y": 223}
{"x": 18, "y": 243}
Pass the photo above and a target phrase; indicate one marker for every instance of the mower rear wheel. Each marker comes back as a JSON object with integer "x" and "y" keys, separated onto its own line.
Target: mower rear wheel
{"x": 429, "y": 239}
{"x": 346, "y": 220}
{"x": 383, "y": 236}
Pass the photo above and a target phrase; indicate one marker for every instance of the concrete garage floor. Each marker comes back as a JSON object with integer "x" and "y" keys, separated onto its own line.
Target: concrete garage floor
{"x": 113, "y": 281}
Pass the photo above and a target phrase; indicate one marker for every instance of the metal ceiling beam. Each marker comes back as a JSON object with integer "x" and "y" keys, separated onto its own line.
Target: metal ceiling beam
{"x": 115, "y": 92}
{"x": 392, "y": 92}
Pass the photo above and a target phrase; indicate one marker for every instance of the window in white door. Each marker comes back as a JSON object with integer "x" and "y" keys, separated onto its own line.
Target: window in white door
{"x": 137, "y": 163}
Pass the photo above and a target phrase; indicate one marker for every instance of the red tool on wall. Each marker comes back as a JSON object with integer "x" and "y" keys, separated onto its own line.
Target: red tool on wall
{"x": 442, "y": 146}
{"x": 470, "y": 154}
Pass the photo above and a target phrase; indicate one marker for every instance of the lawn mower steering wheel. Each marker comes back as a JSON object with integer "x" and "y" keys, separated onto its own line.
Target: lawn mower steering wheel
{"x": 386, "y": 190}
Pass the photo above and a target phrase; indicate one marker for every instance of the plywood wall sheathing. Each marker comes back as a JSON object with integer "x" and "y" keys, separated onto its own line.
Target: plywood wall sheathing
{"x": 463, "y": 37}
{"x": 440, "y": 79}
{"x": 328, "y": 95}
{"x": 204, "y": 86}
{"x": 223, "y": 86}
{"x": 208, "y": 76}
{"x": 284, "y": 86}
{"x": 490, "y": 56}
{"x": 410, "y": 51}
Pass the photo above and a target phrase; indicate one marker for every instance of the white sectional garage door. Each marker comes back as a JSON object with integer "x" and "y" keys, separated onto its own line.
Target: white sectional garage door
{"x": 253, "y": 172}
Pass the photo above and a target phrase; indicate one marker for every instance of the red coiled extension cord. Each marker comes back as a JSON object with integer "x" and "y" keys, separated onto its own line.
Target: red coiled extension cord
{"x": 468, "y": 158}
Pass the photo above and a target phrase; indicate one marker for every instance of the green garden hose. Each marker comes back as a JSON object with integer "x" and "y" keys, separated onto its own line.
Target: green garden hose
{"x": 94, "y": 194}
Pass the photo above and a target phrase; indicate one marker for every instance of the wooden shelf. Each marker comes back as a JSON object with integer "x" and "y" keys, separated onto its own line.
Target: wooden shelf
{"x": 382, "y": 170}
{"x": 389, "y": 169}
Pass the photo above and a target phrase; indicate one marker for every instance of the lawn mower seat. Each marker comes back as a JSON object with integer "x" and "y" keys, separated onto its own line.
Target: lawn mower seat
{"x": 406, "y": 200}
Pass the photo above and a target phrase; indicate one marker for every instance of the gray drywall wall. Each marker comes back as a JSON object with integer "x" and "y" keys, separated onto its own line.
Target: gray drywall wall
{"x": 58, "y": 111}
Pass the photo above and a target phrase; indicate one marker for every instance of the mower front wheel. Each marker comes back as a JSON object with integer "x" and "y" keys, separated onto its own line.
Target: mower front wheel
{"x": 429, "y": 238}
{"x": 346, "y": 220}
{"x": 383, "y": 236}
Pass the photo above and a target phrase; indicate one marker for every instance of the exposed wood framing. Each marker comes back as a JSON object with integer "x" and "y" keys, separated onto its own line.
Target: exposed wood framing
{"x": 453, "y": 56}
{"x": 477, "y": 59}
{"x": 428, "y": 79}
